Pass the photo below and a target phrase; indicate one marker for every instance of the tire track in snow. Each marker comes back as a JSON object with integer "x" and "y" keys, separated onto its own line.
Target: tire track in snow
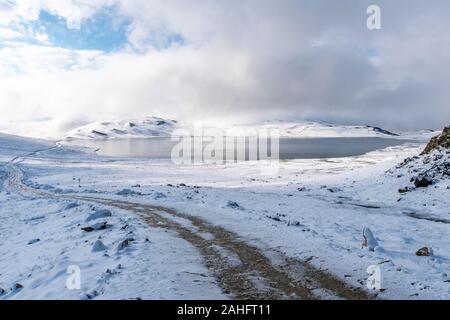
{"x": 256, "y": 276}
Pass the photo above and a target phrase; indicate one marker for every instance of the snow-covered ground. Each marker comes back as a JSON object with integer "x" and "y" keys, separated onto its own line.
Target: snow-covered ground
{"x": 313, "y": 210}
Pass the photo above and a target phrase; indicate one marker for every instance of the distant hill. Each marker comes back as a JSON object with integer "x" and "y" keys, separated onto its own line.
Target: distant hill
{"x": 312, "y": 129}
{"x": 125, "y": 128}
{"x": 159, "y": 127}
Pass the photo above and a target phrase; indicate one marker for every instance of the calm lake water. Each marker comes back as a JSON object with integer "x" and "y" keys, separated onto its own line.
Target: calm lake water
{"x": 290, "y": 148}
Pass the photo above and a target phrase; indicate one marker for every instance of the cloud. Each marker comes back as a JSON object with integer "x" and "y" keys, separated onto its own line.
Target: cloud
{"x": 231, "y": 61}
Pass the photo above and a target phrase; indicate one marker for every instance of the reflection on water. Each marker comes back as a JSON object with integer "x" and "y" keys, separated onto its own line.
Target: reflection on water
{"x": 290, "y": 148}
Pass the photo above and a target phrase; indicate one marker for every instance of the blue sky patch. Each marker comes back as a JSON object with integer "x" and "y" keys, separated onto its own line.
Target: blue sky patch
{"x": 105, "y": 31}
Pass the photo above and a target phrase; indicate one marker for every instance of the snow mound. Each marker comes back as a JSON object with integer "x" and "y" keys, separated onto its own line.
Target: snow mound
{"x": 99, "y": 246}
{"x": 99, "y": 214}
{"x": 125, "y": 128}
{"x": 370, "y": 242}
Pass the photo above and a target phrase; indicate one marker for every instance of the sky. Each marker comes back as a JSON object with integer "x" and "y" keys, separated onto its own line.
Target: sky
{"x": 65, "y": 63}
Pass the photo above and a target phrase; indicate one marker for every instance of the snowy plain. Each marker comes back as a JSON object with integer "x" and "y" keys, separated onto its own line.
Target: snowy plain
{"x": 313, "y": 210}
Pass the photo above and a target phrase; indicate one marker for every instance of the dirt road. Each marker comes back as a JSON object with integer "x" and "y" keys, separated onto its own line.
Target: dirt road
{"x": 254, "y": 273}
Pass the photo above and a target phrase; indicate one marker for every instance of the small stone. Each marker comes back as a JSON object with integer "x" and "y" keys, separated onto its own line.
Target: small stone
{"x": 424, "y": 252}
{"x": 404, "y": 190}
{"x": 33, "y": 241}
{"x": 96, "y": 227}
{"x": 17, "y": 287}
{"x": 233, "y": 205}
{"x": 123, "y": 245}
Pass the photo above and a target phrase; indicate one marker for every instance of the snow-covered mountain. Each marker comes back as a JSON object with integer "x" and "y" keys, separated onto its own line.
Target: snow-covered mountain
{"x": 313, "y": 129}
{"x": 159, "y": 127}
{"x": 124, "y": 128}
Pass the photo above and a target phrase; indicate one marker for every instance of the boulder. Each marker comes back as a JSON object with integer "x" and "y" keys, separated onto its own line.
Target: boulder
{"x": 422, "y": 181}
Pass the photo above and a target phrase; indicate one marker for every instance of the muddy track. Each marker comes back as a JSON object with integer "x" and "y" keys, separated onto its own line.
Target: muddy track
{"x": 253, "y": 276}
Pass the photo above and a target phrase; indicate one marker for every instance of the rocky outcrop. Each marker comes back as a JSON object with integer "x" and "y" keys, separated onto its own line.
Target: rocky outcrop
{"x": 442, "y": 141}
{"x": 432, "y": 166}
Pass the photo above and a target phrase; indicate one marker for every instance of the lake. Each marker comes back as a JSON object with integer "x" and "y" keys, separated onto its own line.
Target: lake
{"x": 289, "y": 148}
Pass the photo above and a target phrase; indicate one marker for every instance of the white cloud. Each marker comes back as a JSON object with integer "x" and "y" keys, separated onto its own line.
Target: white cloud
{"x": 8, "y": 34}
{"x": 240, "y": 60}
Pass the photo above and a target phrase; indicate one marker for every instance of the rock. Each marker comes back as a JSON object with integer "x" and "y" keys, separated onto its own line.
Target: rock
{"x": 124, "y": 244}
{"x": 33, "y": 241}
{"x": 99, "y": 246}
{"x": 294, "y": 224}
{"x": 128, "y": 192}
{"x": 369, "y": 240}
{"x": 424, "y": 252}
{"x": 99, "y": 214}
{"x": 441, "y": 141}
{"x": 383, "y": 131}
{"x": 96, "y": 227}
{"x": 233, "y": 205}
{"x": 17, "y": 287}
{"x": 422, "y": 181}
{"x": 2, "y": 291}
{"x": 98, "y": 133}
{"x": 404, "y": 190}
